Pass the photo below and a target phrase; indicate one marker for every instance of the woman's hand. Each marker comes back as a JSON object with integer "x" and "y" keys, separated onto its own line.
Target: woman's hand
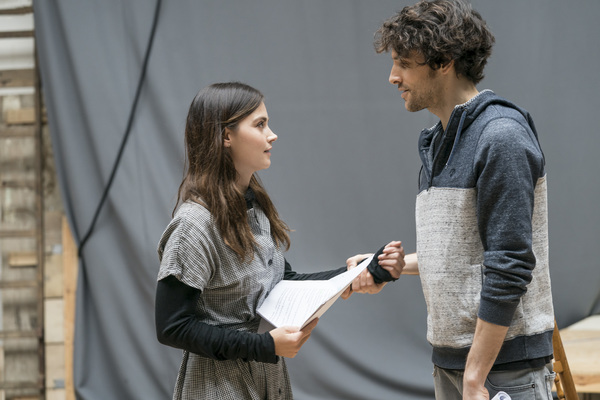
{"x": 352, "y": 262}
{"x": 289, "y": 339}
{"x": 364, "y": 283}
{"x": 391, "y": 259}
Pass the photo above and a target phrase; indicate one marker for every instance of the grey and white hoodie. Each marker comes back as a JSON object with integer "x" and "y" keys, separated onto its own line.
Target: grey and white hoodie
{"x": 482, "y": 232}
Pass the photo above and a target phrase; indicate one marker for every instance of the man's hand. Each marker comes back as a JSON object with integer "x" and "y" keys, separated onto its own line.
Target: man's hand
{"x": 475, "y": 392}
{"x": 391, "y": 259}
{"x": 289, "y": 339}
{"x": 487, "y": 341}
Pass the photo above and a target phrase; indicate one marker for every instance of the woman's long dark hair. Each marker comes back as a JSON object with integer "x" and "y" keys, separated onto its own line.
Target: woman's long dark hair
{"x": 210, "y": 175}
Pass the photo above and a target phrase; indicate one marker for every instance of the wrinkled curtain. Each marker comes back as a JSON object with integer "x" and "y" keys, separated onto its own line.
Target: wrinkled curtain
{"x": 343, "y": 176}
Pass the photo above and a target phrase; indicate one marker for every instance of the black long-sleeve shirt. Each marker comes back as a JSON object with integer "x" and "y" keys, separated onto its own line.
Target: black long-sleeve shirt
{"x": 178, "y": 325}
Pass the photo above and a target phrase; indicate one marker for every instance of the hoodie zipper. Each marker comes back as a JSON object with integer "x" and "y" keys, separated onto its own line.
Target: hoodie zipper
{"x": 441, "y": 141}
{"x": 457, "y": 137}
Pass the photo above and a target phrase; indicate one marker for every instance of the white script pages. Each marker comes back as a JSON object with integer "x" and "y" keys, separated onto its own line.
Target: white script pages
{"x": 296, "y": 303}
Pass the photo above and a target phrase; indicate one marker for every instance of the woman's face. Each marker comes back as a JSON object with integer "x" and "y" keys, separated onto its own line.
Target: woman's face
{"x": 250, "y": 144}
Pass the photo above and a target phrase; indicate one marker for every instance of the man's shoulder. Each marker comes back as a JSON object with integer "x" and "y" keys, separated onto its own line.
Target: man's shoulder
{"x": 503, "y": 122}
{"x": 487, "y": 105}
{"x": 500, "y": 110}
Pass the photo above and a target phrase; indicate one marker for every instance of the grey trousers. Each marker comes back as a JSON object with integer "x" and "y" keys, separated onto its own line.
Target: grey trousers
{"x": 526, "y": 384}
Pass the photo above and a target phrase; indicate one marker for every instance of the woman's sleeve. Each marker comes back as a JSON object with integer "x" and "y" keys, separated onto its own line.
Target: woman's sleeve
{"x": 186, "y": 251}
{"x": 291, "y": 275}
{"x": 379, "y": 273}
{"x": 177, "y": 325}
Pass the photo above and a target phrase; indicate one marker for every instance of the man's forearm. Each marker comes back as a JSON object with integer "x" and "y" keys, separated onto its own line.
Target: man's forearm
{"x": 487, "y": 342}
{"x": 412, "y": 265}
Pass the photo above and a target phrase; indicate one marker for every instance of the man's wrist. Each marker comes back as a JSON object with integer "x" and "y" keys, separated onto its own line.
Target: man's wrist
{"x": 474, "y": 378}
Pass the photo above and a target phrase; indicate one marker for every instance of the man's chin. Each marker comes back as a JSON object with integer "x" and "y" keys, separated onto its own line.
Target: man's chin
{"x": 412, "y": 108}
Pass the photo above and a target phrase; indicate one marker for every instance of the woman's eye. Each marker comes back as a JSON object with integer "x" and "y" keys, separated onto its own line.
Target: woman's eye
{"x": 261, "y": 124}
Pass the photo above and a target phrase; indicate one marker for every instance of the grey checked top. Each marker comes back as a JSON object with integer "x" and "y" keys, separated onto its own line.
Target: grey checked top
{"x": 192, "y": 250}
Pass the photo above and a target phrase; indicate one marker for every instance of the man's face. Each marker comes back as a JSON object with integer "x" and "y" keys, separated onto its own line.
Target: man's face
{"x": 418, "y": 83}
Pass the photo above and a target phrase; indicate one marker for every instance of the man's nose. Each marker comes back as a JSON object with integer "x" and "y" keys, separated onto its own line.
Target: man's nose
{"x": 394, "y": 77}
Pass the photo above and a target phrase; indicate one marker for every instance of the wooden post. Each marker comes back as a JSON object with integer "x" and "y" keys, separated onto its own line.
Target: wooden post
{"x": 562, "y": 368}
{"x": 70, "y": 270}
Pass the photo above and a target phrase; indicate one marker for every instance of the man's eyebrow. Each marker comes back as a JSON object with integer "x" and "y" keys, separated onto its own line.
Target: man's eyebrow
{"x": 401, "y": 59}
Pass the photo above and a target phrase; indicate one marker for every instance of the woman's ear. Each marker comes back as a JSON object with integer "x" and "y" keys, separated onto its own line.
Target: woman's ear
{"x": 227, "y": 137}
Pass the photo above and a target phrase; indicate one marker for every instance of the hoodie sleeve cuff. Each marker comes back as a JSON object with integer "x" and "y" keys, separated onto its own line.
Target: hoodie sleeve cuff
{"x": 497, "y": 313}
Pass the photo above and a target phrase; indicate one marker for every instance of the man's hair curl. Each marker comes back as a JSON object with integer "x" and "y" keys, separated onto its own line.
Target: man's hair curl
{"x": 441, "y": 31}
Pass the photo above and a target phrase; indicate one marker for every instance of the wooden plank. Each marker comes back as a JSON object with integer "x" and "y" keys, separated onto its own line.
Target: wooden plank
{"x": 20, "y": 184}
{"x": 591, "y": 323}
{"x": 70, "y": 265}
{"x": 16, "y": 10}
{"x": 2, "y": 364}
{"x": 54, "y": 323}
{"x": 53, "y": 233}
{"x": 16, "y": 131}
{"x": 581, "y": 342}
{"x": 20, "y": 385}
{"x": 55, "y": 366}
{"x": 55, "y": 394}
{"x": 18, "y": 284}
{"x": 53, "y": 276}
{"x": 19, "y": 116}
{"x": 17, "y": 78}
{"x": 16, "y": 34}
{"x": 22, "y": 259}
{"x": 11, "y": 234}
{"x": 18, "y": 334}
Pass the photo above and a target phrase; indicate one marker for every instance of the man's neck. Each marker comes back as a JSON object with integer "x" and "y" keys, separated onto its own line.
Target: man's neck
{"x": 459, "y": 92}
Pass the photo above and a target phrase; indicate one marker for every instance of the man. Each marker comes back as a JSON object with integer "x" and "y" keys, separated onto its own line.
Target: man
{"x": 482, "y": 241}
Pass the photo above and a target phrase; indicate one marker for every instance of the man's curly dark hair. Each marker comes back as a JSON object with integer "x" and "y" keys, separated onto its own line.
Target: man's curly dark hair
{"x": 440, "y": 30}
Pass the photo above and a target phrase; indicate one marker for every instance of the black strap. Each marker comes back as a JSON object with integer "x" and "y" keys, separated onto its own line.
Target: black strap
{"x": 379, "y": 273}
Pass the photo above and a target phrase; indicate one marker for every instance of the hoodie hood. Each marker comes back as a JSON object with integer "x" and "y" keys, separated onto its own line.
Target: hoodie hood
{"x": 436, "y": 146}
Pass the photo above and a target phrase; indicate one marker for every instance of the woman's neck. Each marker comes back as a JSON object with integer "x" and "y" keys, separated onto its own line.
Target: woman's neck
{"x": 243, "y": 183}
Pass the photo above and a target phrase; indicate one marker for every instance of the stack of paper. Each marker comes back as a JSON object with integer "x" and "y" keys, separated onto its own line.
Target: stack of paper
{"x": 296, "y": 303}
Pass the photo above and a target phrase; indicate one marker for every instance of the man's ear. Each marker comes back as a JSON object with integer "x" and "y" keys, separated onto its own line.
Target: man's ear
{"x": 446, "y": 67}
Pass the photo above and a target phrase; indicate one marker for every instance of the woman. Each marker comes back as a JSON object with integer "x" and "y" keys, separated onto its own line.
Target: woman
{"x": 223, "y": 252}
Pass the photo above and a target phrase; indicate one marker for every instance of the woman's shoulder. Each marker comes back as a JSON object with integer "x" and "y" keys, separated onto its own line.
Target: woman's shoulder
{"x": 190, "y": 207}
{"x": 191, "y": 222}
{"x": 193, "y": 215}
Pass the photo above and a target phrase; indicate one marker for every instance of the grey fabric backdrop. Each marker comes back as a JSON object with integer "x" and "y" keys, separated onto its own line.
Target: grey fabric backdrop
{"x": 344, "y": 171}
